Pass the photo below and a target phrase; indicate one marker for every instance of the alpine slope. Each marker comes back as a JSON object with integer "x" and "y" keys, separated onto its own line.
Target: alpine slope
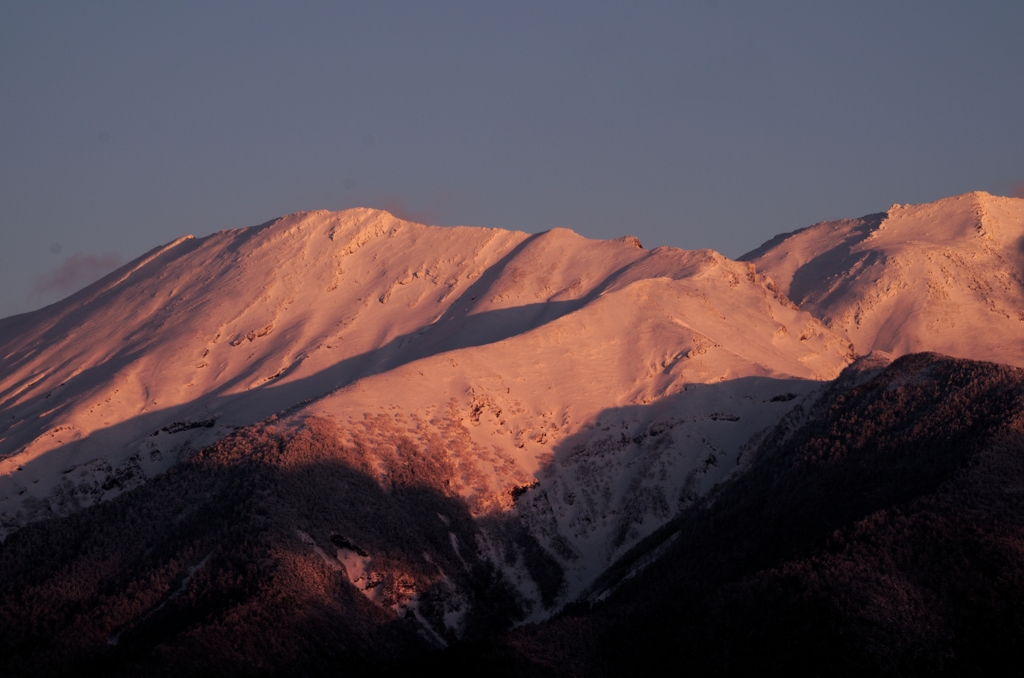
{"x": 589, "y": 388}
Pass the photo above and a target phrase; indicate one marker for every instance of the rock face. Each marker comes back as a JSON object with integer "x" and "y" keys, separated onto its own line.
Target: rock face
{"x": 947, "y": 276}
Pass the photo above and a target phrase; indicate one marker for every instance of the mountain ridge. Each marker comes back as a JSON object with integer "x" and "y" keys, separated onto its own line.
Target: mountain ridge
{"x": 528, "y": 413}
{"x": 204, "y": 335}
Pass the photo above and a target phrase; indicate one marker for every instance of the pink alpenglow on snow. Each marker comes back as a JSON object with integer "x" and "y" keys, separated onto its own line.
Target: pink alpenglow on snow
{"x": 596, "y": 386}
{"x": 537, "y": 344}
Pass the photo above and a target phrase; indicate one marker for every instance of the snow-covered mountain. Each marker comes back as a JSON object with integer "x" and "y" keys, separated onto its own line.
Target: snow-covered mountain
{"x": 428, "y": 433}
{"x": 622, "y": 379}
{"x": 946, "y": 276}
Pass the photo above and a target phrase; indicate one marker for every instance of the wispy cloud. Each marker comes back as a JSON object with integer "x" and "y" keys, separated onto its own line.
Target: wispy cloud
{"x": 440, "y": 205}
{"x": 397, "y": 207}
{"x": 76, "y": 272}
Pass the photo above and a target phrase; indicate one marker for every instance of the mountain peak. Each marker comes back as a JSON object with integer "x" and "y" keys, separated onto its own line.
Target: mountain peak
{"x": 944, "y": 276}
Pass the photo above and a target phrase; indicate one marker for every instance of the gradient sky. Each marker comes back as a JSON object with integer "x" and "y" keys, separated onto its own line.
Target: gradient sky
{"x": 703, "y": 124}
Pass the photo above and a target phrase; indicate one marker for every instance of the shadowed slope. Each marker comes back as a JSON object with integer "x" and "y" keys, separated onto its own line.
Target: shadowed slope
{"x": 883, "y": 537}
{"x": 268, "y": 554}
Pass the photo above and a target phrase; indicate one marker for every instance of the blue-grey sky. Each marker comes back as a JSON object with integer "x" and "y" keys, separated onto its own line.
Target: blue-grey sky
{"x": 691, "y": 124}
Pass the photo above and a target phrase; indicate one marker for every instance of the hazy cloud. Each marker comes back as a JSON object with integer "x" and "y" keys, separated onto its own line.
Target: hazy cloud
{"x": 441, "y": 204}
{"x": 76, "y": 272}
{"x": 1017, "y": 190}
{"x": 397, "y": 207}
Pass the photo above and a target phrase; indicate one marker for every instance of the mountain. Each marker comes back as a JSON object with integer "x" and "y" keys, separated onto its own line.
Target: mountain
{"x": 344, "y": 439}
{"x": 544, "y": 351}
{"x": 946, "y": 276}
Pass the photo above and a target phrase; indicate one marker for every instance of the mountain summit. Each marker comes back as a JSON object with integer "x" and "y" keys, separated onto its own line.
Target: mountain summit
{"x": 946, "y": 276}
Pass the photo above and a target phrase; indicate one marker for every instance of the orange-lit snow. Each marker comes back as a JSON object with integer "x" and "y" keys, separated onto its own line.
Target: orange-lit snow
{"x": 624, "y": 382}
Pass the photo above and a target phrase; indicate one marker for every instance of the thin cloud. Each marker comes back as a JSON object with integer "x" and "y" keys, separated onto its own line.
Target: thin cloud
{"x": 76, "y": 272}
{"x": 398, "y": 208}
{"x": 440, "y": 206}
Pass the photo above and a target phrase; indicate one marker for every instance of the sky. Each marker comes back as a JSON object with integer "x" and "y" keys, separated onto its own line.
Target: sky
{"x": 124, "y": 126}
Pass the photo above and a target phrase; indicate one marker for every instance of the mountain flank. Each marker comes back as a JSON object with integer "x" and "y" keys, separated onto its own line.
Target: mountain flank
{"x": 882, "y": 537}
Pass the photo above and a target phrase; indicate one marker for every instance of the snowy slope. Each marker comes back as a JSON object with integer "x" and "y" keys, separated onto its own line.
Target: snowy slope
{"x": 947, "y": 276}
{"x": 618, "y": 381}
{"x": 633, "y": 403}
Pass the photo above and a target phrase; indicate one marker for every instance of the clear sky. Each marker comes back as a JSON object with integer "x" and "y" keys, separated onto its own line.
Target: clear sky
{"x": 691, "y": 124}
